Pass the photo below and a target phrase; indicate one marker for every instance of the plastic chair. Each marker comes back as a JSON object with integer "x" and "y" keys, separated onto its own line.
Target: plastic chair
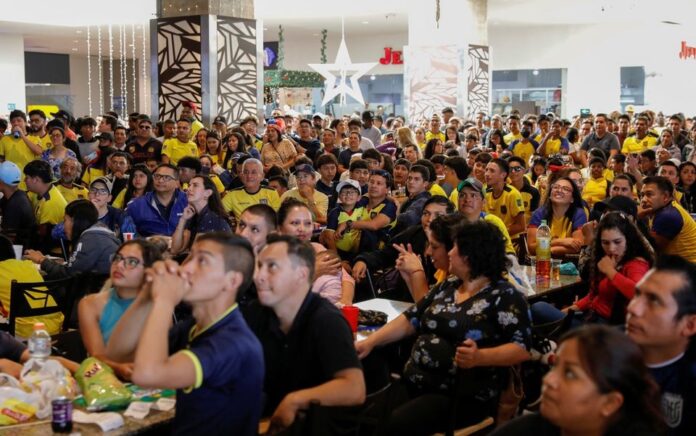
{"x": 37, "y": 299}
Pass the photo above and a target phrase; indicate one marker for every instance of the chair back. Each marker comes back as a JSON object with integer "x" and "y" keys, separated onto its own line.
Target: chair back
{"x": 83, "y": 284}
{"x": 37, "y": 299}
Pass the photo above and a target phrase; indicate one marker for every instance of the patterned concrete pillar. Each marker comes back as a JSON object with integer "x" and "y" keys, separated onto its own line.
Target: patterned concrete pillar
{"x": 200, "y": 54}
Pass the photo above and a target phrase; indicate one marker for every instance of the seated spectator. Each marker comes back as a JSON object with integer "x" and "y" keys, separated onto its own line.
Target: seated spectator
{"x": 252, "y": 192}
{"x": 307, "y": 345}
{"x": 497, "y": 327}
{"x": 672, "y": 228}
{"x": 188, "y": 168}
{"x": 358, "y": 171}
{"x": 70, "y": 170}
{"x": 255, "y": 223}
{"x": 119, "y": 170}
{"x": 98, "y": 163}
{"x": 502, "y": 200}
{"x": 525, "y": 147}
{"x": 455, "y": 170}
{"x": 661, "y": 319}
{"x": 598, "y": 385}
{"x": 22, "y": 271}
{"x": 204, "y": 214}
{"x": 479, "y": 167}
{"x": 114, "y": 219}
{"x": 401, "y": 169}
{"x": 305, "y": 192}
{"x": 346, "y": 242}
{"x": 143, "y": 146}
{"x": 139, "y": 183}
{"x": 99, "y": 313}
{"x": 92, "y": 244}
{"x": 378, "y": 212}
{"x": 158, "y": 212}
{"x": 410, "y": 210}
{"x": 18, "y": 218}
{"x": 530, "y": 194}
{"x": 295, "y": 219}
{"x": 687, "y": 185}
{"x": 595, "y": 189}
{"x": 433, "y": 187}
{"x": 49, "y": 204}
{"x": 670, "y": 170}
{"x": 58, "y": 152}
{"x": 14, "y": 354}
{"x": 279, "y": 184}
{"x": 180, "y": 146}
{"x": 622, "y": 185}
{"x": 564, "y": 215}
{"x": 620, "y": 257}
{"x": 327, "y": 165}
{"x": 213, "y": 359}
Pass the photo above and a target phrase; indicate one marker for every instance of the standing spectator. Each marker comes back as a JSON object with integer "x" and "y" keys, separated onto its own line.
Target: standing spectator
{"x": 368, "y": 130}
{"x": 143, "y": 145}
{"x": 18, "y": 217}
{"x": 21, "y": 149}
{"x": 278, "y": 150}
{"x": 305, "y": 192}
{"x": 181, "y": 146}
{"x": 49, "y": 206}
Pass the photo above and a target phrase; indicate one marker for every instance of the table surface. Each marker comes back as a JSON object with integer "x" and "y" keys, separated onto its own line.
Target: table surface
{"x": 130, "y": 426}
{"x": 553, "y": 285}
{"x": 390, "y": 307}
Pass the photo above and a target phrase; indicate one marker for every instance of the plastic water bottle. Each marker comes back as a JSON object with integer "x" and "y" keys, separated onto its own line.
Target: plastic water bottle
{"x": 543, "y": 252}
{"x": 40, "y": 342}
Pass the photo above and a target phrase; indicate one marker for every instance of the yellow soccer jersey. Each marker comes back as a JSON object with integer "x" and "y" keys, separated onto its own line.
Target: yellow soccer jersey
{"x": 595, "y": 190}
{"x": 436, "y": 189}
{"x": 430, "y": 135}
{"x": 50, "y": 208}
{"x": 490, "y": 218}
{"x": 524, "y": 151}
{"x": 506, "y": 207}
{"x": 634, "y": 145}
{"x": 15, "y": 150}
{"x": 511, "y": 137}
{"x": 74, "y": 192}
{"x": 239, "y": 199}
{"x": 175, "y": 150}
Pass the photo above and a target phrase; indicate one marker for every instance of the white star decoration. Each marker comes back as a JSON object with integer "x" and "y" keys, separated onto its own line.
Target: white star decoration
{"x": 343, "y": 66}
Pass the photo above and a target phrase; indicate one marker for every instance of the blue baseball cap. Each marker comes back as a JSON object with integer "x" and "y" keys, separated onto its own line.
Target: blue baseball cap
{"x": 10, "y": 173}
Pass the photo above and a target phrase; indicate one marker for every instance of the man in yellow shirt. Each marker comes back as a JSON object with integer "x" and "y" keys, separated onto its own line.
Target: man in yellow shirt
{"x": 434, "y": 131}
{"x": 642, "y": 139}
{"x": 595, "y": 189}
{"x": 175, "y": 148}
{"x": 37, "y": 121}
{"x": 513, "y": 123}
{"x": 49, "y": 204}
{"x": 524, "y": 147}
{"x": 188, "y": 111}
{"x": 70, "y": 168}
{"x": 18, "y": 147}
{"x": 237, "y": 200}
{"x": 553, "y": 143}
{"x": 501, "y": 199}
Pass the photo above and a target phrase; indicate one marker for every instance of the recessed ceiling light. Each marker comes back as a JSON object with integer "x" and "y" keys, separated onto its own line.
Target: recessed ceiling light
{"x": 315, "y": 34}
{"x": 265, "y": 28}
{"x": 74, "y": 49}
{"x": 75, "y": 40}
{"x": 366, "y": 22}
{"x": 78, "y": 31}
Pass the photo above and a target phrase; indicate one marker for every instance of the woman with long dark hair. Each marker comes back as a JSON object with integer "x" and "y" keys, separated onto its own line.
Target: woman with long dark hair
{"x": 687, "y": 184}
{"x": 433, "y": 147}
{"x": 599, "y": 385}
{"x": 564, "y": 214}
{"x": 203, "y": 214}
{"x": 139, "y": 183}
{"x": 620, "y": 257}
{"x": 92, "y": 244}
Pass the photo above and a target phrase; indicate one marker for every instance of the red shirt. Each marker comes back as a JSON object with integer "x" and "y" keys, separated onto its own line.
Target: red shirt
{"x": 601, "y": 300}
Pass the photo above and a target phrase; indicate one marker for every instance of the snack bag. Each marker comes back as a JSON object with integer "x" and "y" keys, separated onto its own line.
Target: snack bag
{"x": 100, "y": 387}
{"x": 47, "y": 379}
{"x": 16, "y": 406}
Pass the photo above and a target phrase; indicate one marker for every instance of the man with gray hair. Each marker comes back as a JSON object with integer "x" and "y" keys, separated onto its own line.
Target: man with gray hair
{"x": 70, "y": 169}
{"x": 252, "y": 192}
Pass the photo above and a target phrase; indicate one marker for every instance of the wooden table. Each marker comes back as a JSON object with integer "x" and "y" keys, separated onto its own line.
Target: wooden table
{"x": 554, "y": 289}
{"x": 154, "y": 422}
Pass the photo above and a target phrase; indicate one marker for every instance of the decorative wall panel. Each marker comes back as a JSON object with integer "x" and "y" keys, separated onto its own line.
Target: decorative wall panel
{"x": 236, "y": 63}
{"x": 430, "y": 80}
{"x": 478, "y": 80}
{"x": 179, "y": 64}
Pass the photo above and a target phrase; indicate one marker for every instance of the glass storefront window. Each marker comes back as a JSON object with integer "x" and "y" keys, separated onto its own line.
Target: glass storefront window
{"x": 530, "y": 91}
{"x": 632, "y": 86}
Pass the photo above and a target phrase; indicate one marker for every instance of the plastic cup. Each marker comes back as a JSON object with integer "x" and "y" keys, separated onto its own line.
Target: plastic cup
{"x": 128, "y": 236}
{"x": 350, "y": 313}
{"x": 556, "y": 269}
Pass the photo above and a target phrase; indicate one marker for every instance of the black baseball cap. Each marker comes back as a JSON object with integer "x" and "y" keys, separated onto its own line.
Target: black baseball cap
{"x": 220, "y": 120}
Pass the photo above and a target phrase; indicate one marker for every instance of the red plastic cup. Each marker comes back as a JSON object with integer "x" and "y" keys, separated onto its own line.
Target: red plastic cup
{"x": 351, "y": 315}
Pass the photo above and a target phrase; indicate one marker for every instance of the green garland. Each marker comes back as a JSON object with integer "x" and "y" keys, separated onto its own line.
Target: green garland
{"x": 281, "y": 48}
{"x": 292, "y": 79}
{"x": 324, "y": 32}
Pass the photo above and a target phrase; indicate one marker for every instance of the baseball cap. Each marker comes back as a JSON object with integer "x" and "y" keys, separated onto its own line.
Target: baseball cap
{"x": 368, "y": 115}
{"x": 220, "y": 120}
{"x": 618, "y": 203}
{"x": 304, "y": 168}
{"x": 472, "y": 183}
{"x": 318, "y": 115}
{"x": 630, "y": 108}
{"x": 106, "y": 136}
{"x": 350, "y": 183}
{"x": 103, "y": 180}
{"x": 10, "y": 173}
{"x": 62, "y": 114}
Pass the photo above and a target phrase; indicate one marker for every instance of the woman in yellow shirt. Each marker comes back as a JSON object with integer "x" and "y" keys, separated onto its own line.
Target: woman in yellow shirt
{"x": 139, "y": 183}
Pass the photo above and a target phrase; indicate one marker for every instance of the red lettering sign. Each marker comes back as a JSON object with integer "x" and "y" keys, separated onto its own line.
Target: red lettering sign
{"x": 687, "y": 52}
{"x": 394, "y": 57}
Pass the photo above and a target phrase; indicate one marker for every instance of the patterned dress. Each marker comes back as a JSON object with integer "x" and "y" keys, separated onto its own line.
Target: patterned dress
{"x": 496, "y": 315}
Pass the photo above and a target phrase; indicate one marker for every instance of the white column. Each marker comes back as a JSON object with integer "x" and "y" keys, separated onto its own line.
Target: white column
{"x": 437, "y": 58}
{"x": 12, "y": 85}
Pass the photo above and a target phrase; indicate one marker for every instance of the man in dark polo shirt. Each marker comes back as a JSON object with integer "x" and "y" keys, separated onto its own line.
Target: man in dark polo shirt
{"x": 144, "y": 146}
{"x": 307, "y": 344}
{"x": 17, "y": 213}
{"x": 600, "y": 138}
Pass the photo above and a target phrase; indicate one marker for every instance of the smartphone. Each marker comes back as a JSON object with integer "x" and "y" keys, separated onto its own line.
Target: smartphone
{"x": 584, "y": 113}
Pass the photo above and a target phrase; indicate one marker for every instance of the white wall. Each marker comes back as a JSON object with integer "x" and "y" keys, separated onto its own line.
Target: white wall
{"x": 593, "y": 56}
{"x": 12, "y": 85}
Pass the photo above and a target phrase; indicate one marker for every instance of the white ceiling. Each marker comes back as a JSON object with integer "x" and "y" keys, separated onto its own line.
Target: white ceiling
{"x": 49, "y": 26}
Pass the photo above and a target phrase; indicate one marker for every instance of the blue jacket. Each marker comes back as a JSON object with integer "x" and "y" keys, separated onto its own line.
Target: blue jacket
{"x": 147, "y": 218}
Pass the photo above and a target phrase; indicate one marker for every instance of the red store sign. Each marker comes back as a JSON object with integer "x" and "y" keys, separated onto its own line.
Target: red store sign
{"x": 393, "y": 57}
{"x": 686, "y": 51}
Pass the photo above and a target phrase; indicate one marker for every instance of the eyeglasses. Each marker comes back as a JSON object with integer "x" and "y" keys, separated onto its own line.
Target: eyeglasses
{"x": 516, "y": 169}
{"x": 348, "y": 193}
{"x": 165, "y": 177}
{"x": 128, "y": 262}
{"x": 99, "y": 191}
{"x": 565, "y": 189}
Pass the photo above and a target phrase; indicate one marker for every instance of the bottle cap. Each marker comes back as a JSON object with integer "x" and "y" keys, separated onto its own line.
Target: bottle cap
{"x": 39, "y": 326}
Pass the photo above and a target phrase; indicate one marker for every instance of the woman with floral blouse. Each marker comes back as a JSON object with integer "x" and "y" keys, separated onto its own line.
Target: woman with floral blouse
{"x": 475, "y": 322}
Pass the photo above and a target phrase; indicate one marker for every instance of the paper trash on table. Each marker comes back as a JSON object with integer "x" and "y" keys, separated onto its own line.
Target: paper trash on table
{"x": 107, "y": 421}
{"x": 164, "y": 404}
{"x": 138, "y": 409}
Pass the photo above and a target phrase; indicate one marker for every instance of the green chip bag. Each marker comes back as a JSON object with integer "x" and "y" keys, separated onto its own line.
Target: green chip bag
{"x": 100, "y": 387}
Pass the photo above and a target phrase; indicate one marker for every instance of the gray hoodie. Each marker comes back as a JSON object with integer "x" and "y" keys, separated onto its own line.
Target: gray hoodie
{"x": 92, "y": 253}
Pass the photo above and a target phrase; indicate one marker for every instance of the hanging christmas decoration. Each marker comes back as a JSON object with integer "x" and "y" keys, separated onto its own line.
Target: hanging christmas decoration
{"x": 120, "y": 65}
{"x": 89, "y": 72}
{"x": 133, "y": 69}
{"x": 337, "y": 84}
{"x": 437, "y": 13}
{"x": 111, "y": 67}
{"x": 322, "y": 51}
{"x": 124, "y": 71}
{"x": 144, "y": 63}
{"x": 101, "y": 73}
{"x": 281, "y": 48}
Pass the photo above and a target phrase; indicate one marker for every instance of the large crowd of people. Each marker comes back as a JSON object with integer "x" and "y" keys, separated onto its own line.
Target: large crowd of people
{"x": 255, "y": 233}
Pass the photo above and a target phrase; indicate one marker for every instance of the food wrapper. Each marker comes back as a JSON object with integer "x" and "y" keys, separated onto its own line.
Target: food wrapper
{"x": 16, "y": 406}
{"x": 100, "y": 387}
{"x": 47, "y": 379}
